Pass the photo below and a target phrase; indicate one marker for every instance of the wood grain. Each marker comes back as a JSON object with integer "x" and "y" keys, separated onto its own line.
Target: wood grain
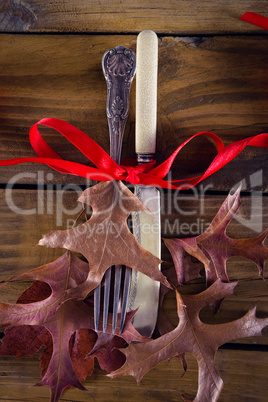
{"x": 217, "y": 84}
{"x": 171, "y": 16}
{"x": 163, "y": 383}
{"x": 212, "y": 76}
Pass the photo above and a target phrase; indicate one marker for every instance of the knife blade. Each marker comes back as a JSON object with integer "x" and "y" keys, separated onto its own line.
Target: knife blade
{"x": 144, "y": 292}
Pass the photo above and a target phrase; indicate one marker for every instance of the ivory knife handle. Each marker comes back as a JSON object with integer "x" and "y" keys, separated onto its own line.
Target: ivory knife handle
{"x": 146, "y": 92}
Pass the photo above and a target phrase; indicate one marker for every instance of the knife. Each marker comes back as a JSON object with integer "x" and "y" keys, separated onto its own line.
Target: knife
{"x": 144, "y": 292}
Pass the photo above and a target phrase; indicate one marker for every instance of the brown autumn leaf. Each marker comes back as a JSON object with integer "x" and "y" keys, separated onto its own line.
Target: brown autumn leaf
{"x": 213, "y": 247}
{"x": 68, "y": 323}
{"x": 26, "y": 340}
{"x": 81, "y": 342}
{"x": 163, "y": 324}
{"x": 107, "y": 353}
{"x": 107, "y": 345}
{"x": 105, "y": 238}
{"x": 66, "y": 272}
{"x": 80, "y": 345}
{"x": 193, "y": 336}
{"x": 61, "y": 319}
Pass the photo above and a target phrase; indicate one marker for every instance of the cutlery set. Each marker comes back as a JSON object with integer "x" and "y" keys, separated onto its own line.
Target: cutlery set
{"x": 138, "y": 290}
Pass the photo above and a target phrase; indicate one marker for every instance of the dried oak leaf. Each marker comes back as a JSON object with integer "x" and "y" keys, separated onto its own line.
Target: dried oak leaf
{"x": 193, "y": 336}
{"x": 26, "y": 340}
{"x": 107, "y": 353}
{"x": 61, "y": 319}
{"x": 81, "y": 342}
{"x": 163, "y": 324}
{"x": 107, "y": 345}
{"x": 105, "y": 238}
{"x": 64, "y": 273}
{"x": 213, "y": 247}
{"x": 70, "y": 320}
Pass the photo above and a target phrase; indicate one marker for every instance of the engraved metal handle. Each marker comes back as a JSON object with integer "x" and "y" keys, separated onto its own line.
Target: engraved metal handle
{"x": 119, "y": 67}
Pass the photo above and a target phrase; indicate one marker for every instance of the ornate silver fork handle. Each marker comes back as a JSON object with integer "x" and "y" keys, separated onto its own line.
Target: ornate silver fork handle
{"x": 119, "y": 67}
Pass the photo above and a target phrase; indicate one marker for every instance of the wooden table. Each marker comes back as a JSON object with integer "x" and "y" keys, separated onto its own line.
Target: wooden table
{"x": 212, "y": 76}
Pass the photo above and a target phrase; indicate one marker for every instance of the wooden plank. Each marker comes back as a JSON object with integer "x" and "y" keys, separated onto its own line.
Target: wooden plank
{"x": 242, "y": 371}
{"x": 217, "y": 84}
{"x": 31, "y": 215}
{"x": 173, "y": 17}
{"x": 26, "y": 215}
{"x": 205, "y": 83}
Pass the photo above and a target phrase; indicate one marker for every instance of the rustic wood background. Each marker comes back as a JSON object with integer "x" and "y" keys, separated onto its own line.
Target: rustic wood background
{"x": 212, "y": 76}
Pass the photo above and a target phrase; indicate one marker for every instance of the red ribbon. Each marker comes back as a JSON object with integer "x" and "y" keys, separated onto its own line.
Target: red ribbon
{"x": 107, "y": 169}
{"x": 255, "y": 19}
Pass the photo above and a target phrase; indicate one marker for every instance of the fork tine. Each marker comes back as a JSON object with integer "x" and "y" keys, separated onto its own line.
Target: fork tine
{"x": 97, "y": 295}
{"x": 117, "y": 285}
{"x": 107, "y": 286}
{"x": 127, "y": 282}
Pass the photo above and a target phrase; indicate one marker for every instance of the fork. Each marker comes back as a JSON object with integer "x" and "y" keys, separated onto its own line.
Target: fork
{"x": 119, "y": 67}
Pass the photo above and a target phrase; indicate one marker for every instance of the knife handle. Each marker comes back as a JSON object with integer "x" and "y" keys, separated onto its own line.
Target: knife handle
{"x": 146, "y": 95}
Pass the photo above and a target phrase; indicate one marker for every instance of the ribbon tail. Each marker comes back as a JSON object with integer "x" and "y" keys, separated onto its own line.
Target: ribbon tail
{"x": 63, "y": 166}
{"x": 224, "y": 156}
{"x": 255, "y": 19}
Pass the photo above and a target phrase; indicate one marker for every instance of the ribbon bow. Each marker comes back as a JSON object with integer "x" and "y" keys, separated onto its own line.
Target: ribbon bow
{"x": 107, "y": 169}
